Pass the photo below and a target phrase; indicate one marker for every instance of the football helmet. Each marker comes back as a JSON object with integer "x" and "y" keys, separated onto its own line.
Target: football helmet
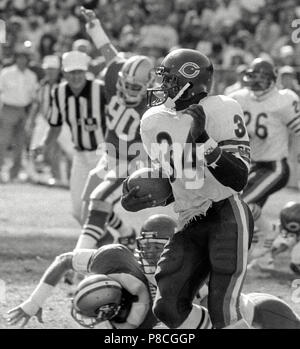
{"x": 261, "y": 76}
{"x": 186, "y": 77}
{"x": 97, "y": 298}
{"x": 290, "y": 217}
{"x": 155, "y": 232}
{"x": 136, "y": 75}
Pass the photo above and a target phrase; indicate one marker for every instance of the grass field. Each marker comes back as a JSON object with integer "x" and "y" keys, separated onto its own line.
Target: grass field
{"x": 36, "y": 225}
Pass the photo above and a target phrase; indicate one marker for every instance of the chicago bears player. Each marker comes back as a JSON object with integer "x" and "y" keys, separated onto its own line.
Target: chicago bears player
{"x": 260, "y": 310}
{"x": 126, "y": 82}
{"x": 289, "y": 235}
{"x": 207, "y": 135}
{"x": 270, "y": 115}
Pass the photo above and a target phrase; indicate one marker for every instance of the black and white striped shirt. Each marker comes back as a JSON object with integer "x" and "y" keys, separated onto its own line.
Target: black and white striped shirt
{"x": 44, "y": 96}
{"x": 84, "y": 113}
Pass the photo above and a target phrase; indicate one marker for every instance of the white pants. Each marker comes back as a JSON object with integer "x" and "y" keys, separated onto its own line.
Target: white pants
{"x": 83, "y": 163}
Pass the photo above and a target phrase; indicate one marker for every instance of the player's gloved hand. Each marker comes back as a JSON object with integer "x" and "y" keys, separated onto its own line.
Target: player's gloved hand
{"x": 198, "y": 132}
{"x": 131, "y": 202}
{"x": 19, "y": 316}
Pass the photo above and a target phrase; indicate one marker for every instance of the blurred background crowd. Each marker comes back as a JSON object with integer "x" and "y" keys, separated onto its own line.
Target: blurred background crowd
{"x": 231, "y": 32}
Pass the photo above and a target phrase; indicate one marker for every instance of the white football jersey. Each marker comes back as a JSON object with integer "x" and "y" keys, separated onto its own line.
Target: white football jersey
{"x": 269, "y": 119}
{"x": 194, "y": 187}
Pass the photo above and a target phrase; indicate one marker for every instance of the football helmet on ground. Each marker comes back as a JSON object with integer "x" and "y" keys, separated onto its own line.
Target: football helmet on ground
{"x": 97, "y": 298}
{"x": 136, "y": 75}
{"x": 186, "y": 77}
{"x": 261, "y": 76}
{"x": 290, "y": 217}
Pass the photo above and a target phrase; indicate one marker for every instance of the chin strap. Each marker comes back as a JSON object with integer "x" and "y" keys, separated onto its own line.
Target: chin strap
{"x": 170, "y": 102}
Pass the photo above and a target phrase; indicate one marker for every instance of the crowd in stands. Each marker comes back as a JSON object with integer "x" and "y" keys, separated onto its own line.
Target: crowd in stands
{"x": 231, "y": 32}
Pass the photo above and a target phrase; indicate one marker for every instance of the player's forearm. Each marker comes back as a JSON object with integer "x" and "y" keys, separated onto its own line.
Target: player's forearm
{"x": 101, "y": 40}
{"x": 47, "y": 283}
{"x": 227, "y": 169}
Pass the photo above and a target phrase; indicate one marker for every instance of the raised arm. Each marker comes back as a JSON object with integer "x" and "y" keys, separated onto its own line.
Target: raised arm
{"x": 98, "y": 35}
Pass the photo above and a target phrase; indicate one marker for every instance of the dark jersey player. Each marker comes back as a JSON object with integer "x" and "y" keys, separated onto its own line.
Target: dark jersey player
{"x": 126, "y": 83}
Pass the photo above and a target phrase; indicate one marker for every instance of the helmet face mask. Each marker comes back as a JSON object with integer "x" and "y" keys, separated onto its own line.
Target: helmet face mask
{"x": 260, "y": 77}
{"x": 98, "y": 298}
{"x": 104, "y": 313}
{"x": 290, "y": 218}
{"x": 134, "y": 78}
{"x": 149, "y": 249}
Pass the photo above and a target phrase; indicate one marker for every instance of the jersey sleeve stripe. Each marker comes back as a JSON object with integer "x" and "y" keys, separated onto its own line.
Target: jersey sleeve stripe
{"x": 233, "y": 142}
{"x": 293, "y": 120}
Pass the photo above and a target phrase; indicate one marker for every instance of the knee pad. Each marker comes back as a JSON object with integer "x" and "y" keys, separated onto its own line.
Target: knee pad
{"x": 255, "y": 210}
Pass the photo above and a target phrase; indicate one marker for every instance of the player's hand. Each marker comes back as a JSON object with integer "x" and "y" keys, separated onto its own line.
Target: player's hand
{"x": 89, "y": 17}
{"x": 133, "y": 203}
{"x": 198, "y": 132}
{"x": 18, "y": 316}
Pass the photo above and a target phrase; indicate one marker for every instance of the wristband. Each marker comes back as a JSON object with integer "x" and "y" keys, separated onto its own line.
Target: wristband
{"x": 96, "y": 32}
{"x": 37, "y": 299}
{"x": 212, "y": 152}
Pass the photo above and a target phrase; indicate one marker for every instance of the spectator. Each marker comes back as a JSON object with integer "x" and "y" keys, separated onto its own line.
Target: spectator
{"x": 18, "y": 87}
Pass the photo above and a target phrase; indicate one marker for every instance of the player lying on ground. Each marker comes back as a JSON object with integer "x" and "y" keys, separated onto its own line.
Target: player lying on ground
{"x": 123, "y": 287}
{"x": 126, "y": 82}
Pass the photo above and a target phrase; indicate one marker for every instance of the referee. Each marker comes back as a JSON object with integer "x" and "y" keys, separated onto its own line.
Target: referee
{"x": 77, "y": 102}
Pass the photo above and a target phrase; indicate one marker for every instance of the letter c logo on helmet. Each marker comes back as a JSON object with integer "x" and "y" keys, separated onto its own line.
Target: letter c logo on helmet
{"x": 189, "y": 70}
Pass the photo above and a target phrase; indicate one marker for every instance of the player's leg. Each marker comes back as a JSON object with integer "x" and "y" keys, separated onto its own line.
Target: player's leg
{"x": 229, "y": 239}
{"x": 83, "y": 162}
{"x": 264, "y": 180}
{"x": 182, "y": 268}
{"x": 95, "y": 178}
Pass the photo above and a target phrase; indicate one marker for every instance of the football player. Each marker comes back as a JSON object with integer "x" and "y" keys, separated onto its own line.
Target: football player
{"x": 116, "y": 281}
{"x": 202, "y": 143}
{"x": 289, "y": 235}
{"x": 270, "y": 115}
{"x": 126, "y": 82}
{"x": 112, "y": 263}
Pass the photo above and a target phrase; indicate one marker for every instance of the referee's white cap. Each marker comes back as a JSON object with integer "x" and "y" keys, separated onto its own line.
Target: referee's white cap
{"x": 75, "y": 60}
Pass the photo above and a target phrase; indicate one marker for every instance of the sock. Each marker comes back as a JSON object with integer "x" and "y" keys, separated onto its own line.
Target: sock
{"x": 93, "y": 229}
{"x": 197, "y": 318}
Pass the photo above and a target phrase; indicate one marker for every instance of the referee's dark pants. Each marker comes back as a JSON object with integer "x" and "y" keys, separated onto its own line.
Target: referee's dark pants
{"x": 216, "y": 246}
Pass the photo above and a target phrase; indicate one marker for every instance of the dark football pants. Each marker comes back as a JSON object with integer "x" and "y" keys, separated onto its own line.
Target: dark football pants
{"x": 215, "y": 245}
{"x": 265, "y": 178}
